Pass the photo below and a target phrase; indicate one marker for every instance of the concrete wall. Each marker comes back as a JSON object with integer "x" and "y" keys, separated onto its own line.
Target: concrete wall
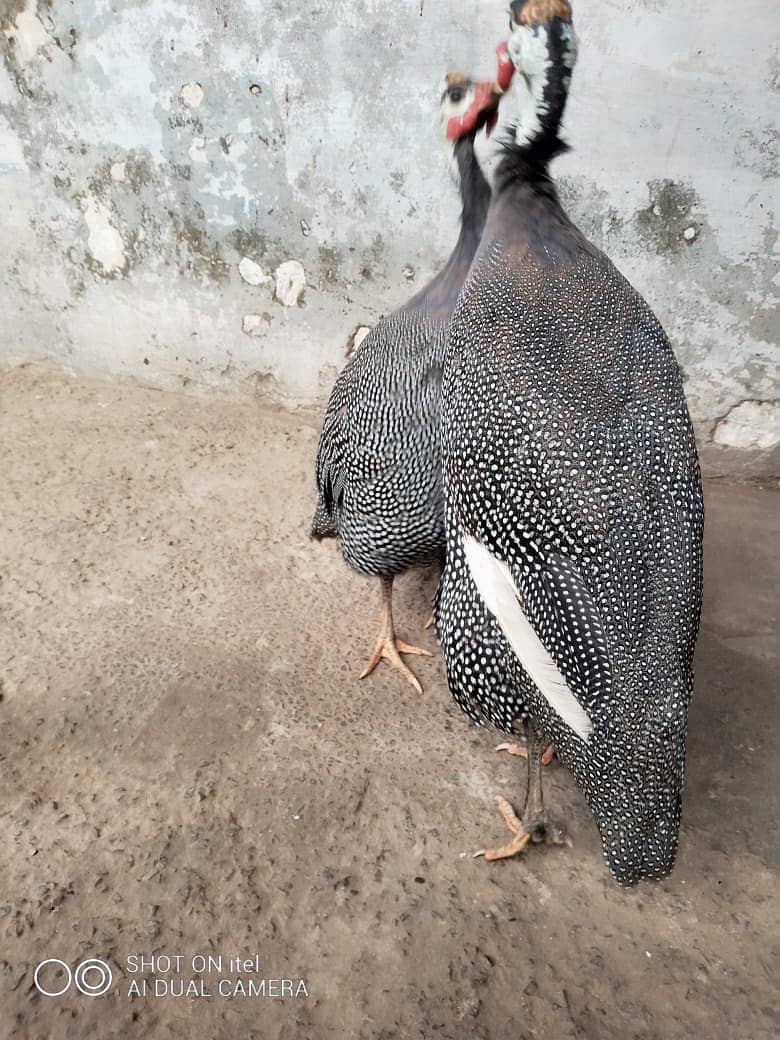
{"x": 172, "y": 170}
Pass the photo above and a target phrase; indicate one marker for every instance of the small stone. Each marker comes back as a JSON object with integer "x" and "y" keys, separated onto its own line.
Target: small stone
{"x": 469, "y": 1008}
{"x": 409, "y": 273}
{"x": 290, "y": 282}
{"x": 255, "y": 324}
{"x": 117, "y": 171}
{"x": 255, "y": 89}
{"x": 689, "y": 234}
{"x": 305, "y": 228}
{"x": 191, "y": 94}
{"x": 253, "y": 273}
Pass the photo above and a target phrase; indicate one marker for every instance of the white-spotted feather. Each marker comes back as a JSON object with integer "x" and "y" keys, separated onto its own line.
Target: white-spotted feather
{"x": 497, "y": 588}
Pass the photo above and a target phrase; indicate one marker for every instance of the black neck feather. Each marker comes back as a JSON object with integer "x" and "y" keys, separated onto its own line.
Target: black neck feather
{"x": 474, "y": 193}
{"x": 546, "y": 142}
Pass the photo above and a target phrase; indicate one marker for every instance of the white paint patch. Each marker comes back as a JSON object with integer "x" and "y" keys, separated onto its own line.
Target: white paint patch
{"x": 290, "y": 282}
{"x": 253, "y": 273}
{"x": 115, "y": 98}
{"x": 8, "y": 91}
{"x": 751, "y": 425}
{"x": 255, "y": 324}
{"x": 197, "y": 150}
{"x": 226, "y": 186}
{"x": 191, "y": 94}
{"x": 11, "y": 151}
{"x": 497, "y": 588}
{"x": 105, "y": 242}
{"x": 28, "y": 34}
{"x": 117, "y": 171}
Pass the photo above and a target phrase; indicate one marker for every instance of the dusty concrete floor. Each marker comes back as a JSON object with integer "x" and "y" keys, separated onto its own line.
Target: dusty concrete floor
{"x": 190, "y": 766}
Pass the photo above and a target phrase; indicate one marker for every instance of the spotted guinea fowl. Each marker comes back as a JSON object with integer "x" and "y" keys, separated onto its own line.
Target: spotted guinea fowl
{"x": 573, "y": 508}
{"x": 378, "y": 466}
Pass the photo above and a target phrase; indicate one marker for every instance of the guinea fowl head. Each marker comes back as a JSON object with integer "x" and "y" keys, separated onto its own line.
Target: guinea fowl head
{"x": 467, "y": 106}
{"x": 542, "y": 49}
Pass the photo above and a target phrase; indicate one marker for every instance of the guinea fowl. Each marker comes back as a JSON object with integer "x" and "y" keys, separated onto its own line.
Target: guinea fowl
{"x": 571, "y": 595}
{"x": 378, "y": 467}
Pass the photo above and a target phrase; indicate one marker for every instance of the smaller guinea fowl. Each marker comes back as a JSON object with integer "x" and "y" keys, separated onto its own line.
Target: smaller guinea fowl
{"x": 571, "y": 595}
{"x": 378, "y": 466}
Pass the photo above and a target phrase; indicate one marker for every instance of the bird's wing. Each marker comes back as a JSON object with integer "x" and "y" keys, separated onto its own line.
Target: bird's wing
{"x": 381, "y": 407}
{"x": 497, "y": 588}
{"x": 336, "y": 436}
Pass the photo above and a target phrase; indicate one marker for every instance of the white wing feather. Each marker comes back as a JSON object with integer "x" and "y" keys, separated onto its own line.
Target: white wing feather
{"x": 497, "y": 588}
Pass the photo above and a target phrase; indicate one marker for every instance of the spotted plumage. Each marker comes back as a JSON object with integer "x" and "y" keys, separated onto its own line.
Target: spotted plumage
{"x": 378, "y": 461}
{"x": 569, "y": 457}
{"x": 378, "y": 466}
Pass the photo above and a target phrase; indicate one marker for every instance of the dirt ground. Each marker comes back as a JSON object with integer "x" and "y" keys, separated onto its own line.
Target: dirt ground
{"x": 190, "y": 766}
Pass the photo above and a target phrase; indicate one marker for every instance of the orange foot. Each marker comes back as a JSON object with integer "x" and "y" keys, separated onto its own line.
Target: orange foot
{"x": 522, "y": 752}
{"x": 387, "y": 646}
{"x": 390, "y": 649}
{"x": 520, "y": 837}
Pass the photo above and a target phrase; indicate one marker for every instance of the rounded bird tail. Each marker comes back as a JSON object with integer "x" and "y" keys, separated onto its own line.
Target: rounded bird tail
{"x": 323, "y": 524}
{"x": 647, "y": 854}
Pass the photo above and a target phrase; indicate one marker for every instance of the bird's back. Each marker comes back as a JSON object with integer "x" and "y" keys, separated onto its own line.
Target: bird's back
{"x": 569, "y": 453}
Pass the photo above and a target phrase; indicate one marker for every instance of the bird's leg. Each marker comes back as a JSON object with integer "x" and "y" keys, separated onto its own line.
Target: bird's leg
{"x": 387, "y": 645}
{"x": 537, "y": 821}
{"x": 536, "y": 825}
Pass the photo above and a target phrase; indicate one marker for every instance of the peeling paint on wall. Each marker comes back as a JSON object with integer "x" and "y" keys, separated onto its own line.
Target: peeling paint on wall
{"x": 752, "y": 424}
{"x": 27, "y": 34}
{"x": 209, "y": 202}
{"x": 192, "y": 95}
{"x": 105, "y": 242}
{"x": 290, "y": 282}
{"x": 252, "y": 273}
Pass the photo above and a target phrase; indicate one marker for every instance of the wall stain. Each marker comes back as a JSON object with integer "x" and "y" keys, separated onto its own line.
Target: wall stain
{"x": 663, "y": 221}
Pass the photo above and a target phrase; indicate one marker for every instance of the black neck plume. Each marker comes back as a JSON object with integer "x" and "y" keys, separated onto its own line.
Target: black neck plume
{"x": 538, "y": 141}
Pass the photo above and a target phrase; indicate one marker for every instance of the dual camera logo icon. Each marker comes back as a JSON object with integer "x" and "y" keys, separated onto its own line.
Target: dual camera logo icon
{"x": 92, "y": 977}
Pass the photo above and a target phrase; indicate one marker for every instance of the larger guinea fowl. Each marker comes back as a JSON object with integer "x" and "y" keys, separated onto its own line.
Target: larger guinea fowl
{"x": 378, "y": 465}
{"x": 573, "y": 496}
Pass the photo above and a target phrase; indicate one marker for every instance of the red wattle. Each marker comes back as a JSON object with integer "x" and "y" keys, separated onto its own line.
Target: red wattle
{"x": 484, "y": 97}
{"x": 506, "y": 68}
